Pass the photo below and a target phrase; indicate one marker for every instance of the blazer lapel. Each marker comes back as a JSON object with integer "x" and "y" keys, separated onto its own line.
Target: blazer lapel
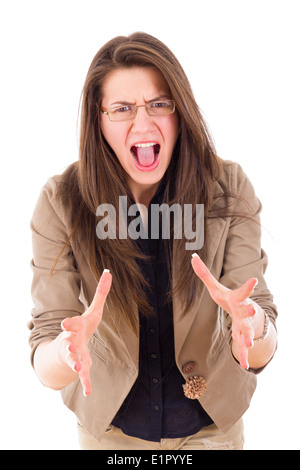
{"x": 215, "y": 230}
{"x": 129, "y": 337}
{"x": 113, "y": 320}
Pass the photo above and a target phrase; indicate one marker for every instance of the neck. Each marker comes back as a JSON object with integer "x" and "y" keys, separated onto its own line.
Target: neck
{"x": 142, "y": 194}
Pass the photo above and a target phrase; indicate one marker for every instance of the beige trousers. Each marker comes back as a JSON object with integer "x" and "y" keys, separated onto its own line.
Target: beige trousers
{"x": 209, "y": 438}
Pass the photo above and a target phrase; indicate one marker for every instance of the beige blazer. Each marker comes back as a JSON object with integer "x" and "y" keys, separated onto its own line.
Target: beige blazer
{"x": 203, "y": 337}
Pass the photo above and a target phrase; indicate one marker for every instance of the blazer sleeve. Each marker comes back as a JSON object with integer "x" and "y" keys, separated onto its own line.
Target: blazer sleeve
{"x": 244, "y": 257}
{"x": 55, "y": 295}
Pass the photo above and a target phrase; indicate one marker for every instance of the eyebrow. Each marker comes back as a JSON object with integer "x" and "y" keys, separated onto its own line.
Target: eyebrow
{"x": 157, "y": 98}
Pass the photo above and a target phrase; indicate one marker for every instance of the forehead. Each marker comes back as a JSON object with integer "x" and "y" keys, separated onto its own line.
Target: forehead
{"x": 132, "y": 84}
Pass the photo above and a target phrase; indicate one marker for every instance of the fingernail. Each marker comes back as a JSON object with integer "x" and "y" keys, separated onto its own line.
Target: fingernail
{"x": 106, "y": 271}
{"x": 256, "y": 282}
{"x": 76, "y": 368}
{"x": 194, "y": 254}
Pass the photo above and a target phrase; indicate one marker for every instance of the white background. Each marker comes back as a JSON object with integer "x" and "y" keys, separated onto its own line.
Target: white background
{"x": 242, "y": 59}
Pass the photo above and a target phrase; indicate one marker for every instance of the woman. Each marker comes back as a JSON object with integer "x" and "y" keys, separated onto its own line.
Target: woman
{"x": 150, "y": 347}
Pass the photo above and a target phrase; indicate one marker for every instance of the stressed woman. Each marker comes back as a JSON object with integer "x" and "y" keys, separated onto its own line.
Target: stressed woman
{"x": 153, "y": 346}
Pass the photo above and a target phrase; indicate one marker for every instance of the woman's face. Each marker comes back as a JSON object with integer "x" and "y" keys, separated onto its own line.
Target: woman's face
{"x": 145, "y": 165}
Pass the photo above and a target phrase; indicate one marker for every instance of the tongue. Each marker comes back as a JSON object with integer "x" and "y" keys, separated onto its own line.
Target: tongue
{"x": 145, "y": 155}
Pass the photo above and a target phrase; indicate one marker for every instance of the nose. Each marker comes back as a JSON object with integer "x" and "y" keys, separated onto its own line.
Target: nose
{"x": 142, "y": 121}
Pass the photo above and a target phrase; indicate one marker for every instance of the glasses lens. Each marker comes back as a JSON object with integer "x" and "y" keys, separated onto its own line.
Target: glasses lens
{"x": 123, "y": 113}
{"x": 161, "y": 108}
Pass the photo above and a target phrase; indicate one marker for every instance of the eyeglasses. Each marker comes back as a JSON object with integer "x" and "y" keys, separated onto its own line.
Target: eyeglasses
{"x": 129, "y": 111}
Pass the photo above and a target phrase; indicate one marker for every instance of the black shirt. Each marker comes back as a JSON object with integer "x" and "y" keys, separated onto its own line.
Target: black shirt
{"x": 156, "y": 406}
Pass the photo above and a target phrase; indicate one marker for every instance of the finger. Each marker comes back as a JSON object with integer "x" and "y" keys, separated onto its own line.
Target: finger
{"x": 204, "y": 273}
{"x": 236, "y": 333}
{"x": 242, "y": 348}
{"x": 86, "y": 384}
{"x": 250, "y": 310}
{"x": 70, "y": 355}
{"x": 84, "y": 375}
{"x": 246, "y": 290}
{"x": 102, "y": 291}
{"x": 66, "y": 324}
{"x": 243, "y": 310}
{"x": 243, "y": 355}
{"x": 243, "y": 338}
{"x": 72, "y": 360}
{"x": 71, "y": 348}
{"x": 72, "y": 324}
{"x": 247, "y": 332}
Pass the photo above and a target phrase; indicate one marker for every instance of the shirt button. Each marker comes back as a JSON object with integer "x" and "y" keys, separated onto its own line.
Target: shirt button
{"x": 152, "y": 330}
{"x": 153, "y": 356}
{"x": 156, "y": 407}
{"x": 155, "y": 380}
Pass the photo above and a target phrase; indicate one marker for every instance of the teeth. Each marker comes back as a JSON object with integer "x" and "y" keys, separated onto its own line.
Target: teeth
{"x": 150, "y": 144}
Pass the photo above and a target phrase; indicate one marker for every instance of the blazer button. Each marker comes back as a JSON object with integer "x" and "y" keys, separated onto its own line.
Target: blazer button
{"x": 189, "y": 367}
{"x": 195, "y": 387}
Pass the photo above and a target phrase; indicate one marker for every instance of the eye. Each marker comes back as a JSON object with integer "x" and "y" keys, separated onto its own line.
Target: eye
{"x": 160, "y": 104}
{"x": 122, "y": 109}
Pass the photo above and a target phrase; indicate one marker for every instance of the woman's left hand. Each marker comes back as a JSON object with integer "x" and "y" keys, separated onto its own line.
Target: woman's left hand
{"x": 238, "y": 305}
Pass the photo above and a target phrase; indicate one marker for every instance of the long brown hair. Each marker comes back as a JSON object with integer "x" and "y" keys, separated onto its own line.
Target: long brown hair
{"x": 99, "y": 178}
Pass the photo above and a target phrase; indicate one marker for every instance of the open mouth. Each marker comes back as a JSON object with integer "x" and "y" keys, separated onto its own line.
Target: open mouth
{"x": 145, "y": 155}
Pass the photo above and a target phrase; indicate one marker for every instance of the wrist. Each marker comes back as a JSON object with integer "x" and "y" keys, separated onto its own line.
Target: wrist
{"x": 50, "y": 366}
{"x": 258, "y": 320}
{"x": 265, "y": 331}
{"x": 60, "y": 352}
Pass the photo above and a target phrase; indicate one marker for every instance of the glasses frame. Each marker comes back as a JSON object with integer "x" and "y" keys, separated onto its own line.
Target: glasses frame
{"x": 134, "y": 108}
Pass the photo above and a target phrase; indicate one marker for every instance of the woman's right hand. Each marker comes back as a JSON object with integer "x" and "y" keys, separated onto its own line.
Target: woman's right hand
{"x": 77, "y": 331}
